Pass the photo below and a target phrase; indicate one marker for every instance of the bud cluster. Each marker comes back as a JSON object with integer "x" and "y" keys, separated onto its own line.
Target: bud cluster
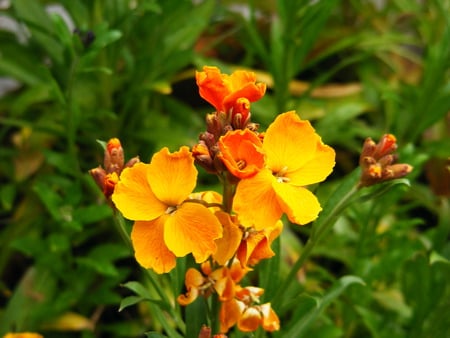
{"x": 107, "y": 176}
{"x": 378, "y": 161}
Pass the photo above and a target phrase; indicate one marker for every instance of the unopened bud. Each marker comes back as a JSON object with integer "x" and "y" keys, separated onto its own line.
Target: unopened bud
{"x": 114, "y": 158}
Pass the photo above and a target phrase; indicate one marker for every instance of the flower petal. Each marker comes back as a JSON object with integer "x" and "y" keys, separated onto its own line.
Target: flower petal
{"x": 249, "y": 320}
{"x": 316, "y": 169}
{"x": 172, "y": 176}
{"x": 192, "y": 228}
{"x": 270, "y": 321}
{"x": 255, "y": 201}
{"x": 149, "y": 248}
{"x": 300, "y": 204}
{"x": 289, "y": 143}
{"x": 212, "y": 88}
{"x": 229, "y": 242}
{"x": 193, "y": 280}
{"x": 134, "y": 197}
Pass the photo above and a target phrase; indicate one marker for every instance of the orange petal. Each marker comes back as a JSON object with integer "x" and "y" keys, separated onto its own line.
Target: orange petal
{"x": 241, "y": 152}
{"x": 289, "y": 143}
{"x": 255, "y": 201}
{"x": 270, "y": 321}
{"x": 228, "y": 244}
{"x": 193, "y": 280}
{"x": 249, "y": 320}
{"x": 134, "y": 197}
{"x": 300, "y": 204}
{"x": 192, "y": 228}
{"x": 212, "y": 88}
{"x": 172, "y": 176}
{"x": 316, "y": 169}
{"x": 230, "y": 312}
{"x": 149, "y": 248}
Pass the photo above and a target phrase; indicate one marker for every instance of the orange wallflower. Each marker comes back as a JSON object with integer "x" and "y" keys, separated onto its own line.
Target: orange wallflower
{"x": 230, "y": 93}
{"x": 295, "y": 157}
{"x": 241, "y": 152}
{"x": 167, "y": 223}
{"x": 255, "y": 245}
{"x": 245, "y": 311}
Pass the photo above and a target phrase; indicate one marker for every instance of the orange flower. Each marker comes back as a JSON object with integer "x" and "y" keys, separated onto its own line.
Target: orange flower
{"x": 245, "y": 311}
{"x": 255, "y": 245}
{"x": 241, "y": 152}
{"x": 230, "y": 94}
{"x": 222, "y": 281}
{"x": 295, "y": 157}
{"x": 167, "y": 223}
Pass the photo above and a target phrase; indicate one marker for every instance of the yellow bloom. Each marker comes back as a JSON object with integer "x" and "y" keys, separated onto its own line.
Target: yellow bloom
{"x": 168, "y": 224}
{"x": 295, "y": 157}
{"x": 23, "y": 335}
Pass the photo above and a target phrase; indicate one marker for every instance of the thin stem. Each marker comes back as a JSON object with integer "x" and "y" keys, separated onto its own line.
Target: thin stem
{"x": 321, "y": 227}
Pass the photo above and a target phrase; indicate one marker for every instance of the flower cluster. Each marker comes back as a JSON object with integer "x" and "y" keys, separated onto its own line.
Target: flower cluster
{"x": 264, "y": 176}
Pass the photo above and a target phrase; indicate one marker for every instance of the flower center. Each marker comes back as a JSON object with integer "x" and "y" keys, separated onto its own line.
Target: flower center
{"x": 280, "y": 175}
{"x": 241, "y": 164}
{"x": 171, "y": 210}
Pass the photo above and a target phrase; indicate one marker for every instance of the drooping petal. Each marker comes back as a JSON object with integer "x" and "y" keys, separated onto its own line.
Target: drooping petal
{"x": 300, "y": 204}
{"x": 316, "y": 169}
{"x": 229, "y": 314}
{"x": 149, "y": 248}
{"x": 241, "y": 152}
{"x": 255, "y": 201}
{"x": 172, "y": 176}
{"x": 229, "y": 242}
{"x": 270, "y": 320}
{"x": 134, "y": 197}
{"x": 193, "y": 280}
{"x": 249, "y": 320}
{"x": 192, "y": 228}
{"x": 289, "y": 143}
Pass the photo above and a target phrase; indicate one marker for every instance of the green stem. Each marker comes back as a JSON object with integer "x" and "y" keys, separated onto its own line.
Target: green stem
{"x": 336, "y": 204}
{"x": 121, "y": 227}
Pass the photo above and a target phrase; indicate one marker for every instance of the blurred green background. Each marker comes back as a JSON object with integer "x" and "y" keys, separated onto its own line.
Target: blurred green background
{"x": 76, "y": 71}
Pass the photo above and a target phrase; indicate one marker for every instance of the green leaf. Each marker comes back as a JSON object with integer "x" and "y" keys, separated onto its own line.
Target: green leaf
{"x": 298, "y": 329}
{"x": 129, "y": 301}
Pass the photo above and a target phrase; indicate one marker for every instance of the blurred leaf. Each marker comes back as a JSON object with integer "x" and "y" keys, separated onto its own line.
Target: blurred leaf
{"x": 334, "y": 292}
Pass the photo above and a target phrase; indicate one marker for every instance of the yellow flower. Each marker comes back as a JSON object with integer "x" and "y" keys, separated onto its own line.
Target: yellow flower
{"x": 168, "y": 224}
{"x": 295, "y": 157}
{"x": 23, "y": 335}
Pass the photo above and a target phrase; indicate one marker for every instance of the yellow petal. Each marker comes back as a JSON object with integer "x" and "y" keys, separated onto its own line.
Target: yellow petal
{"x": 229, "y": 242}
{"x": 289, "y": 143}
{"x": 172, "y": 176}
{"x": 149, "y": 248}
{"x": 134, "y": 197}
{"x": 192, "y": 228}
{"x": 255, "y": 201}
{"x": 300, "y": 205}
{"x": 316, "y": 169}
{"x": 249, "y": 320}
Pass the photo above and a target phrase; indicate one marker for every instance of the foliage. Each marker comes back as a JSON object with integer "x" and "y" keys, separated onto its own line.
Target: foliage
{"x": 125, "y": 69}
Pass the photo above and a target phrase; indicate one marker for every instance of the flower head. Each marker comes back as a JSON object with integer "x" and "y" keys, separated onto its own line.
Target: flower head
{"x": 168, "y": 223}
{"x": 230, "y": 94}
{"x": 295, "y": 157}
{"x": 241, "y": 152}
